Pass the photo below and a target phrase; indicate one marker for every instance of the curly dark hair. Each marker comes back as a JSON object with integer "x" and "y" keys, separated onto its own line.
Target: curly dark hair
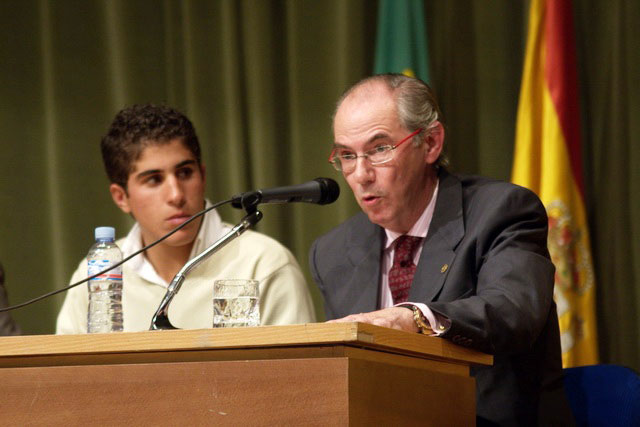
{"x": 135, "y": 128}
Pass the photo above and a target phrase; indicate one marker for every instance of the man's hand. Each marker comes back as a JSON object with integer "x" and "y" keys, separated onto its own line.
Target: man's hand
{"x": 392, "y": 317}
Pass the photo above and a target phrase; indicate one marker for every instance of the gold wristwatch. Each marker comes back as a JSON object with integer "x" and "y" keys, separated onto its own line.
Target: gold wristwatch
{"x": 421, "y": 322}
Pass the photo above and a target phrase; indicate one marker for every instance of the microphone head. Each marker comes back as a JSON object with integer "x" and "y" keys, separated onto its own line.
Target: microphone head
{"x": 329, "y": 190}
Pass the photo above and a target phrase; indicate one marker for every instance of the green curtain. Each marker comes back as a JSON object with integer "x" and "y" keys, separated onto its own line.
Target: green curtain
{"x": 260, "y": 79}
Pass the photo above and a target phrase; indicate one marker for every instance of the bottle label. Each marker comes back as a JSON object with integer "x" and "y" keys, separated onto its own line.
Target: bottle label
{"x": 97, "y": 265}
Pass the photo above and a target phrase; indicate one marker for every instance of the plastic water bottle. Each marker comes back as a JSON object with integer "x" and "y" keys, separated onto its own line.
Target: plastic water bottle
{"x": 105, "y": 291}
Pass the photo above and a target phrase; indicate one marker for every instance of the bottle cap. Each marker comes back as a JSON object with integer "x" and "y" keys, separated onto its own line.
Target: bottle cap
{"x": 105, "y": 233}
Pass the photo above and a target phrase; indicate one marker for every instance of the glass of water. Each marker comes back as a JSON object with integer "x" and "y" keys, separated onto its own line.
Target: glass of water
{"x": 236, "y": 303}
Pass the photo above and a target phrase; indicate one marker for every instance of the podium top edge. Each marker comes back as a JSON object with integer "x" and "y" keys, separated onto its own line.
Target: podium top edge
{"x": 310, "y": 334}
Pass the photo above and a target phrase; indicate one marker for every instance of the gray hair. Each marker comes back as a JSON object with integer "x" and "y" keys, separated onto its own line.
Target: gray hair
{"x": 416, "y": 104}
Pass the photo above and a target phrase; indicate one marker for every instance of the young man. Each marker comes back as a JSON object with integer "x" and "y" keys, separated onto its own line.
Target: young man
{"x": 152, "y": 158}
{"x": 461, "y": 257}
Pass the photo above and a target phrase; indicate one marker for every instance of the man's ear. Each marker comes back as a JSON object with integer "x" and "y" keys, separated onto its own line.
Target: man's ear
{"x": 120, "y": 197}
{"x": 434, "y": 141}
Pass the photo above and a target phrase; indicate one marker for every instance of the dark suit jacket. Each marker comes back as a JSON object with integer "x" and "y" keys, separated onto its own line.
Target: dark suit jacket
{"x": 497, "y": 290}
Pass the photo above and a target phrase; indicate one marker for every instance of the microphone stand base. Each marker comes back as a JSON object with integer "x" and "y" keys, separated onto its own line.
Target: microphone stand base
{"x": 160, "y": 323}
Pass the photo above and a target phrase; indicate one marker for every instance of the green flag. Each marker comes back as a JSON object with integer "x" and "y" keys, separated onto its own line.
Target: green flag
{"x": 401, "y": 42}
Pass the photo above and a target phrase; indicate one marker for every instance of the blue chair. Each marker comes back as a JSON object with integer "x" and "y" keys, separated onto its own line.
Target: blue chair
{"x": 603, "y": 395}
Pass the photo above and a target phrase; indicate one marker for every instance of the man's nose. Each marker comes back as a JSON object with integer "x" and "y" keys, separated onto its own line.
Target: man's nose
{"x": 363, "y": 171}
{"x": 175, "y": 191}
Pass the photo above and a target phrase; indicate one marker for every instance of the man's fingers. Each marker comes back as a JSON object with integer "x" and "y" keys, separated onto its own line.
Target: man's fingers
{"x": 350, "y": 318}
{"x": 396, "y": 318}
{"x": 381, "y": 321}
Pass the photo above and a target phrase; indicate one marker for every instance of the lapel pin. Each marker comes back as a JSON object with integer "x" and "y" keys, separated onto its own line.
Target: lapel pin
{"x": 444, "y": 268}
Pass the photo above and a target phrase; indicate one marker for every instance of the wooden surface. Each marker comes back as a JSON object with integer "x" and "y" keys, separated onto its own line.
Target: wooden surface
{"x": 313, "y": 334}
{"x": 271, "y": 392}
{"x": 334, "y": 391}
{"x": 313, "y": 374}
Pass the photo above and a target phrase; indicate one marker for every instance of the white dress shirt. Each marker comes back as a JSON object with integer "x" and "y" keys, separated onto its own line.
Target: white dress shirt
{"x": 439, "y": 324}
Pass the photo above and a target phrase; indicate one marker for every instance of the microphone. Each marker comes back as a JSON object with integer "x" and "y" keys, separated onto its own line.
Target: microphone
{"x": 321, "y": 191}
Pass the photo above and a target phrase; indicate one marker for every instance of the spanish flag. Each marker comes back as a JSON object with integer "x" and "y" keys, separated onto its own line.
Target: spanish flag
{"x": 401, "y": 40}
{"x": 548, "y": 160}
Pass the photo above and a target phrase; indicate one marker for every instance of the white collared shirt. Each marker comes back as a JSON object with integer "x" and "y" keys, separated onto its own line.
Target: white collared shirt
{"x": 210, "y": 231}
{"x": 419, "y": 229}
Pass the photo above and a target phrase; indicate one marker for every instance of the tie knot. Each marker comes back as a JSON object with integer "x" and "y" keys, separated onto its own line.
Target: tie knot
{"x": 405, "y": 247}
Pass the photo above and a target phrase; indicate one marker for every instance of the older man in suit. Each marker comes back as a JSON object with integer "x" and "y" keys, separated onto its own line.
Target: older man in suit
{"x": 460, "y": 257}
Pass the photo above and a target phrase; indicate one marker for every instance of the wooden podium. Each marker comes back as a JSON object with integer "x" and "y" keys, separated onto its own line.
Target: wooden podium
{"x": 313, "y": 374}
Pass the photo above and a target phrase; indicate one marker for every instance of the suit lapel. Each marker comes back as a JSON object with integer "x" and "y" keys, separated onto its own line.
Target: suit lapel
{"x": 445, "y": 232}
{"x": 363, "y": 253}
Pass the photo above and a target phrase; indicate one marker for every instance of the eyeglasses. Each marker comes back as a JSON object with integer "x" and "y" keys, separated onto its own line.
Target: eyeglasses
{"x": 345, "y": 161}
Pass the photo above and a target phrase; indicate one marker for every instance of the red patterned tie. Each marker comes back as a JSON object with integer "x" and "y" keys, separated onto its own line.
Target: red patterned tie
{"x": 403, "y": 269}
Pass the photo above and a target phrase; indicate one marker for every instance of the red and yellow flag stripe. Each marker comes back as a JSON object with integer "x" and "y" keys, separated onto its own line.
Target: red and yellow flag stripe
{"x": 548, "y": 160}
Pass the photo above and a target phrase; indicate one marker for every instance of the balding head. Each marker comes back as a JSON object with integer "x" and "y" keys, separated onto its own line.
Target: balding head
{"x": 415, "y": 103}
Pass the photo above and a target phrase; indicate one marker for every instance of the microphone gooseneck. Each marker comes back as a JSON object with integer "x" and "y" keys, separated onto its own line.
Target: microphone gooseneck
{"x": 160, "y": 319}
